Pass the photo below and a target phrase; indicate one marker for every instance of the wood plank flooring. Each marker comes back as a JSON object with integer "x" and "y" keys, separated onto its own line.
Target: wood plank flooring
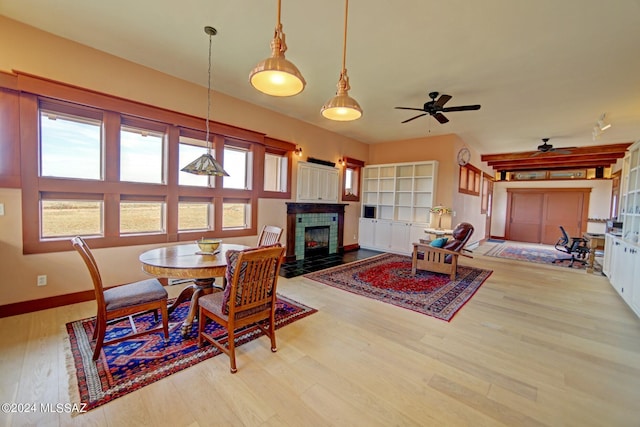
{"x": 537, "y": 345}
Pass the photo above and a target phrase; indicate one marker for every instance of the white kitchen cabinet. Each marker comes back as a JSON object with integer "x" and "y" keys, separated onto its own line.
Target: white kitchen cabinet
{"x": 317, "y": 183}
{"x": 624, "y": 274}
{"x": 622, "y": 254}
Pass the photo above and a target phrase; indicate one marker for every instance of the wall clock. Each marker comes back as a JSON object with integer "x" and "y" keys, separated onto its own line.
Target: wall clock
{"x": 464, "y": 155}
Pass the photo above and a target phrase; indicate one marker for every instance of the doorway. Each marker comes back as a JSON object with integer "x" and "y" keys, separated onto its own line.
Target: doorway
{"x": 535, "y": 214}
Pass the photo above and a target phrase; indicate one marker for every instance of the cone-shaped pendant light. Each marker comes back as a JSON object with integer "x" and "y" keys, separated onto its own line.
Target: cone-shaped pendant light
{"x": 206, "y": 164}
{"x": 277, "y": 76}
{"x": 342, "y": 107}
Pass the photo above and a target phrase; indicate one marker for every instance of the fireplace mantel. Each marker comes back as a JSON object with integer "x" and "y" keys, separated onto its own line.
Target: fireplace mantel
{"x": 294, "y": 209}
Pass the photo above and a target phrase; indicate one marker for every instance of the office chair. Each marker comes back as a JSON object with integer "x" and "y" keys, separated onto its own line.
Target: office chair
{"x": 574, "y": 246}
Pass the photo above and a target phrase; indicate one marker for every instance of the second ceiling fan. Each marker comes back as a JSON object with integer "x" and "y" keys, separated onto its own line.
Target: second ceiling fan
{"x": 436, "y": 108}
{"x": 545, "y": 147}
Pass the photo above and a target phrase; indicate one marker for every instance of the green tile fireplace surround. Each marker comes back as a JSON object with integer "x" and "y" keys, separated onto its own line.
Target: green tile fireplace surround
{"x": 302, "y": 215}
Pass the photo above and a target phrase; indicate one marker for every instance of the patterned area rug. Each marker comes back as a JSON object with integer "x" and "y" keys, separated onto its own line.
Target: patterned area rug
{"x": 133, "y": 364}
{"x": 387, "y": 278}
{"x": 533, "y": 253}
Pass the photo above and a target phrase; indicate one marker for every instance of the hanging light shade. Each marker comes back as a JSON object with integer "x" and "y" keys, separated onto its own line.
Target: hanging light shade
{"x": 342, "y": 107}
{"x": 206, "y": 164}
{"x": 276, "y": 76}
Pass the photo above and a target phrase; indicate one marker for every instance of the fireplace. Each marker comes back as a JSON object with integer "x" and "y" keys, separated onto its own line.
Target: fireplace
{"x": 316, "y": 240}
{"x": 314, "y": 216}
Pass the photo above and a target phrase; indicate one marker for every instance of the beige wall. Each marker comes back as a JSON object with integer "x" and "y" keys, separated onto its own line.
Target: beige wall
{"x": 29, "y": 50}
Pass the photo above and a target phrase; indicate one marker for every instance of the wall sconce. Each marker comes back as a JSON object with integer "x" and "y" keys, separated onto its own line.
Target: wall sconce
{"x": 298, "y": 151}
{"x": 341, "y": 161}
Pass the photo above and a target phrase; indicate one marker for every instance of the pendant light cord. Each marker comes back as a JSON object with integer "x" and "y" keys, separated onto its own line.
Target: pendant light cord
{"x": 344, "y": 44}
{"x": 209, "y": 94}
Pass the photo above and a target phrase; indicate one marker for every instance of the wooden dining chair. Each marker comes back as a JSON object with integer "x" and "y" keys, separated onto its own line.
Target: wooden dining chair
{"x": 269, "y": 235}
{"x": 119, "y": 302}
{"x": 249, "y": 298}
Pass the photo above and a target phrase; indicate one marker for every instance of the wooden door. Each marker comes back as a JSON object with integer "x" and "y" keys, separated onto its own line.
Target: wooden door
{"x": 562, "y": 209}
{"x": 524, "y": 214}
{"x": 535, "y": 215}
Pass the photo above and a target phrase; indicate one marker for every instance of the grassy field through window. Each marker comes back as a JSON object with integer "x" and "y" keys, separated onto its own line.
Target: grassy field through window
{"x": 72, "y": 218}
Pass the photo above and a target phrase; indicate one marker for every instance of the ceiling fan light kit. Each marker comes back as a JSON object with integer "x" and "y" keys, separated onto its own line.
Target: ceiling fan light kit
{"x": 342, "y": 107}
{"x": 276, "y": 76}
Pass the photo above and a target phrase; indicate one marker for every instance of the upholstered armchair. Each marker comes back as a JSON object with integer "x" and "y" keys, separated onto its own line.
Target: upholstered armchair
{"x": 442, "y": 259}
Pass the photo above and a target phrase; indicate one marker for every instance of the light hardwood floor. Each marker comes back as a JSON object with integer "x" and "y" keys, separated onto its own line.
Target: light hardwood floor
{"x": 537, "y": 345}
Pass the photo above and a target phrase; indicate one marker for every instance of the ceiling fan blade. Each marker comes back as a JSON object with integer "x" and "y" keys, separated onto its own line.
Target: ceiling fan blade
{"x": 462, "y": 108}
{"x": 412, "y": 118}
{"x": 408, "y": 108}
{"x": 440, "y": 117}
{"x": 443, "y": 100}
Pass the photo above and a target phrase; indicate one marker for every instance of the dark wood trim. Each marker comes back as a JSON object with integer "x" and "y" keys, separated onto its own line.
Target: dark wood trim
{"x": 9, "y": 139}
{"x": 578, "y": 158}
{"x": 45, "y": 303}
{"x": 352, "y": 247}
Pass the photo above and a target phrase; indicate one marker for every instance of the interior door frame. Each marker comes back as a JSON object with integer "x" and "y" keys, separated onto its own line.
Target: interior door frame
{"x": 585, "y": 206}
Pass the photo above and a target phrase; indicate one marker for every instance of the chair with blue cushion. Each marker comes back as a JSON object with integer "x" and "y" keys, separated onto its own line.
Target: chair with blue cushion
{"x": 441, "y": 255}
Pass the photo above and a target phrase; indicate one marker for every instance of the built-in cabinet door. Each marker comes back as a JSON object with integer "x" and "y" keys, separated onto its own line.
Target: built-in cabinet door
{"x": 366, "y": 232}
{"x": 399, "y": 240}
{"x": 382, "y": 235}
{"x": 608, "y": 251}
{"x": 317, "y": 183}
{"x": 635, "y": 282}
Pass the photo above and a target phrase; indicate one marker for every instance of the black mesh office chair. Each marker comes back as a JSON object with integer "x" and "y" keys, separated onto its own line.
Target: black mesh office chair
{"x": 574, "y": 246}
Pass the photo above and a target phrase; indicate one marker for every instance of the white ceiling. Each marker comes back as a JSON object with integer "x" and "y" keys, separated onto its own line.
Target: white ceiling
{"x": 543, "y": 68}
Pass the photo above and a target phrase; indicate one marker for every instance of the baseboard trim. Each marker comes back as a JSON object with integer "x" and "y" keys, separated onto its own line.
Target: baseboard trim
{"x": 30, "y": 306}
{"x": 45, "y": 303}
{"x": 351, "y": 248}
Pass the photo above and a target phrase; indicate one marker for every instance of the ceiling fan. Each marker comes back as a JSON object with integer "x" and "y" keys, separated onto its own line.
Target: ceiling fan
{"x": 436, "y": 108}
{"x": 545, "y": 147}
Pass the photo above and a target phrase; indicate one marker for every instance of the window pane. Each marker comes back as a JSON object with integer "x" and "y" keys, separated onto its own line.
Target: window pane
{"x": 62, "y": 218}
{"x": 235, "y": 164}
{"x": 190, "y": 149}
{"x": 275, "y": 173}
{"x": 141, "y": 217}
{"x": 350, "y": 181}
{"x": 69, "y": 146}
{"x": 235, "y": 215}
{"x": 195, "y": 216}
{"x": 140, "y": 156}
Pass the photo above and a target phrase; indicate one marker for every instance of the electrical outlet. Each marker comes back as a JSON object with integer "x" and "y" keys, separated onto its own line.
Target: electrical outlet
{"x": 453, "y": 213}
{"x": 42, "y": 280}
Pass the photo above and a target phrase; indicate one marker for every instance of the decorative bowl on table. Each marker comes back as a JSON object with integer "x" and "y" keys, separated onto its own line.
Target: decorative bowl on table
{"x": 208, "y": 246}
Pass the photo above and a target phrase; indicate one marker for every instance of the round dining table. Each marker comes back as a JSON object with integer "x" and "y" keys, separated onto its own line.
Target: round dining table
{"x": 188, "y": 262}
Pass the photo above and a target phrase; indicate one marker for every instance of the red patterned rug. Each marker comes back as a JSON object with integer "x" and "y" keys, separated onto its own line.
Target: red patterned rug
{"x": 387, "y": 278}
{"x": 133, "y": 364}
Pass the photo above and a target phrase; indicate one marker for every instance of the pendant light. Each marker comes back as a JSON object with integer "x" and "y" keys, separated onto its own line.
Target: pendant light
{"x": 206, "y": 164}
{"x": 342, "y": 107}
{"x": 276, "y": 76}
